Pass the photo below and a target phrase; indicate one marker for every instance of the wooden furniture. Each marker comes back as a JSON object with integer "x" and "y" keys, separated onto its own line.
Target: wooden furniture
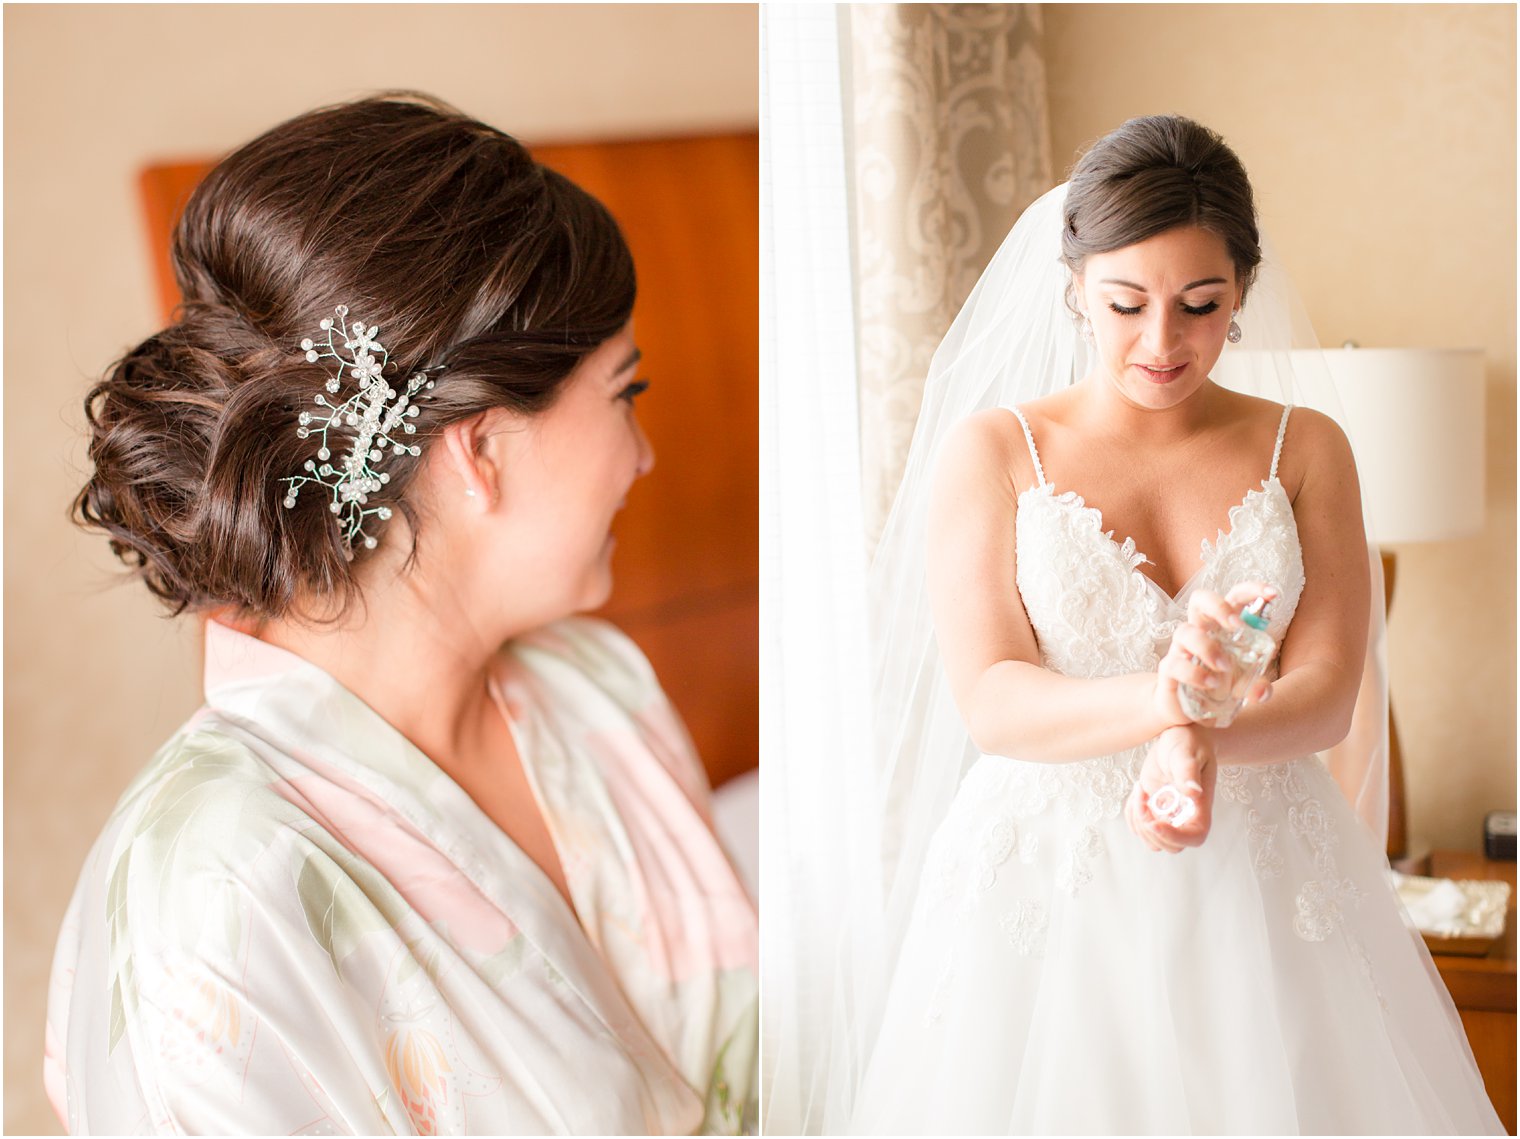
{"x": 687, "y": 562}
{"x": 1406, "y": 855}
{"x": 1483, "y": 988}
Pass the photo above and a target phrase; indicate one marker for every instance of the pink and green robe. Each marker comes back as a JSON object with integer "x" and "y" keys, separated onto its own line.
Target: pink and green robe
{"x": 295, "y": 923}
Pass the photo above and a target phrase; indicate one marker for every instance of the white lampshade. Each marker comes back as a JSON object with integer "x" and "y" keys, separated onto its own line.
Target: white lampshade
{"x": 1415, "y": 418}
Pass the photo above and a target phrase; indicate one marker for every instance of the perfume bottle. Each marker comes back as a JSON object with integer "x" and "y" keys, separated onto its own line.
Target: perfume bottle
{"x": 1250, "y": 651}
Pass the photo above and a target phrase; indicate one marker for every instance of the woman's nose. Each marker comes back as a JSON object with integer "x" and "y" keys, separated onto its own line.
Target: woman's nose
{"x": 646, "y": 450}
{"x": 1162, "y": 333}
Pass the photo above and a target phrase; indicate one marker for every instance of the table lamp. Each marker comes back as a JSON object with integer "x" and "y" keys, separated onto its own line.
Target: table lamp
{"x": 1415, "y": 418}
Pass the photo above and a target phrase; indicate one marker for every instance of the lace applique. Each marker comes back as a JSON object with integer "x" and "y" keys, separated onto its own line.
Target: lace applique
{"x": 1078, "y": 870}
{"x": 1283, "y": 779}
{"x": 1264, "y": 856}
{"x": 1029, "y": 849}
{"x": 1107, "y": 786}
{"x": 1317, "y": 913}
{"x": 1082, "y": 795}
{"x": 1234, "y": 784}
{"x": 1024, "y": 926}
{"x": 1258, "y": 535}
{"x": 1096, "y": 614}
{"x": 1320, "y": 901}
{"x": 998, "y": 841}
{"x": 1030, "y": 788}
{"x": 1092, "y": 610}
{"x": 1319, "y": 907}
{"x": 1309, "y": 821}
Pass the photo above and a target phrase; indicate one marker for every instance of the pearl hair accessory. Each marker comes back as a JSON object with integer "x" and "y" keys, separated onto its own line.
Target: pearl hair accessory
{"x": 371, "y": 410}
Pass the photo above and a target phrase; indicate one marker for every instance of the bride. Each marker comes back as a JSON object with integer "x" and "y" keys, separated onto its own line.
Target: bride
{"x": 1084, "y": 505}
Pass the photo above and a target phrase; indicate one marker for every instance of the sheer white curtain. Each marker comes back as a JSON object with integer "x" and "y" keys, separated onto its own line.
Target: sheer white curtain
{"x": 898, "y": 144}
{"x": 812, "y": 550}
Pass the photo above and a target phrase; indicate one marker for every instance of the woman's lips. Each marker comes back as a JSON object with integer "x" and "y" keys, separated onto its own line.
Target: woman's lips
{"x": 1158, "y": 374}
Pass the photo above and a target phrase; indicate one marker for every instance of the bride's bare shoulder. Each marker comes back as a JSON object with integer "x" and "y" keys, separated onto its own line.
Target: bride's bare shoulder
{"x": 1240, "y": 408}
{"x": 1313, "y": 444}
{"x": 986, "y": 448}
{"x": 989, "y": 434}
{"x": 1315, "y": 449}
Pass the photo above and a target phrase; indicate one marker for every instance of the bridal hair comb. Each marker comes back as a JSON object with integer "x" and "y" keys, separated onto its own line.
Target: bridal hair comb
{"x": 380, "y": 414}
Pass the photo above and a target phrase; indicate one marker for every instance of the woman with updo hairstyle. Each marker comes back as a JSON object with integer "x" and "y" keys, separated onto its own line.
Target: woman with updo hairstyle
{"x": 435, "y": 856}
{"x": 1115, "y": 900}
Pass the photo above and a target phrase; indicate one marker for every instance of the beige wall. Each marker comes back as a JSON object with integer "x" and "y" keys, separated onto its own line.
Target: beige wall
{"x": 95, "y": 679}
{"x": 1381, "y": 141}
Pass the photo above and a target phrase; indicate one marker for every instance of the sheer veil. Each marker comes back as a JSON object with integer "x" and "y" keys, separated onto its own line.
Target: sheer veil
{"x": 1014, "y": 340}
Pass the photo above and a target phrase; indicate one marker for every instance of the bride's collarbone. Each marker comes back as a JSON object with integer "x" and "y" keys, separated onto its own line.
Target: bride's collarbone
{"x": 1166, "y": 513}
{"x": 1165, "y": 499}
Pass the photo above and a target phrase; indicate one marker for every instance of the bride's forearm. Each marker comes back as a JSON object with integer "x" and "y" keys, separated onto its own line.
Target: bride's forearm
{"x": 1027, "y": 712}
{"x": 1310, "y": 711}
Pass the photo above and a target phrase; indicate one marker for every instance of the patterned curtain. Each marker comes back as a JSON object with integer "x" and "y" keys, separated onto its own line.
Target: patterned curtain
{"x": 951, "y": 141}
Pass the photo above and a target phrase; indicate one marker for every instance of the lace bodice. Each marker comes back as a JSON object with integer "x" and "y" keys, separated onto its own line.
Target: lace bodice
{"x": 1095, "y": 614}
{"x": 1093, "y": 611}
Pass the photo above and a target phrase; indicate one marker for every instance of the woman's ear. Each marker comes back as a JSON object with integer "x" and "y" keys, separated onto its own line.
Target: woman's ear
{"x": 468, "y": 461}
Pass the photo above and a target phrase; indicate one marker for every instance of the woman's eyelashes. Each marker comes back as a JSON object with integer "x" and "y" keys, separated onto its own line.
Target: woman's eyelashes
{"x": 1201, "y": 310}
{"x": 634, "y": 390}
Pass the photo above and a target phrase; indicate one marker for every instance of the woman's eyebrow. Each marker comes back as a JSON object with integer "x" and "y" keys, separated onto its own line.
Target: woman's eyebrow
{"x": 634, "y": 357}
{"x": 1185, "y": 288}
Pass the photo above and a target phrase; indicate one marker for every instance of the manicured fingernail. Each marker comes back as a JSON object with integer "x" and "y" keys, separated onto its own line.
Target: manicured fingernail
{"x": 1196, "y": 786}
{"x": 1265, "y": 696}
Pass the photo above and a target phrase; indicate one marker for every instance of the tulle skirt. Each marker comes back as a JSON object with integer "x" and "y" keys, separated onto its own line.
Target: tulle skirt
{"x": 1059, "y": 977}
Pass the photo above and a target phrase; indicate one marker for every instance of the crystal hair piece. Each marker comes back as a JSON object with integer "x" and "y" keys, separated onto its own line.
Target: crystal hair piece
{"x": 380, "y": 414}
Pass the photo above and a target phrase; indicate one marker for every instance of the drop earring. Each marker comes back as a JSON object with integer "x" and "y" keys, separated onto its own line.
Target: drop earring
{"x": 1086, "y": 329}
{"x": 1234, "y": 334}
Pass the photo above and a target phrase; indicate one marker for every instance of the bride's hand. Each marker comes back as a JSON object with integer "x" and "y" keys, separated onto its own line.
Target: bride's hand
{"x": 1195, "y": 658}
{"x": 1182, "y": 757}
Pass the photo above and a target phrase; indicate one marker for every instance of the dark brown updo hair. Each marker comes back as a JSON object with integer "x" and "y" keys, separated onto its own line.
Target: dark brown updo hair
{"x": 493, "y": 272}
{"x": 1154, "y": 174}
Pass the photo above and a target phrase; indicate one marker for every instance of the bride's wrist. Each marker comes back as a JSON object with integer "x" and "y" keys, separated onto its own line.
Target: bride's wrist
{"x": 1153, "y": 707}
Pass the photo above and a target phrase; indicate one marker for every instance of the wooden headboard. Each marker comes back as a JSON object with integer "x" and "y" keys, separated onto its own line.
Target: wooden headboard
{"x": 687, "y": 562}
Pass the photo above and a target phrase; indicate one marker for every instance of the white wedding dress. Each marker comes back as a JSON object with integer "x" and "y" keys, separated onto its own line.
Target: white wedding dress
{"x": 1060, "y": 977}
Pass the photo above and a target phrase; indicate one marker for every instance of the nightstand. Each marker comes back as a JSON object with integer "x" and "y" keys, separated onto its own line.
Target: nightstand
{"x": 1483, "y": 988}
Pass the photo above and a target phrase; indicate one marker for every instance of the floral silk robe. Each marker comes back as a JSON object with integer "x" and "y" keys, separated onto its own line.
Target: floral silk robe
{"x": 295, "y": 923}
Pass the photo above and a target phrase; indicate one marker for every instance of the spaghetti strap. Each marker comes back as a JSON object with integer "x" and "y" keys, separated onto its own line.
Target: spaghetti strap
{"x": 1034, "y": 454}
{"x": 1282, "y": 429}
